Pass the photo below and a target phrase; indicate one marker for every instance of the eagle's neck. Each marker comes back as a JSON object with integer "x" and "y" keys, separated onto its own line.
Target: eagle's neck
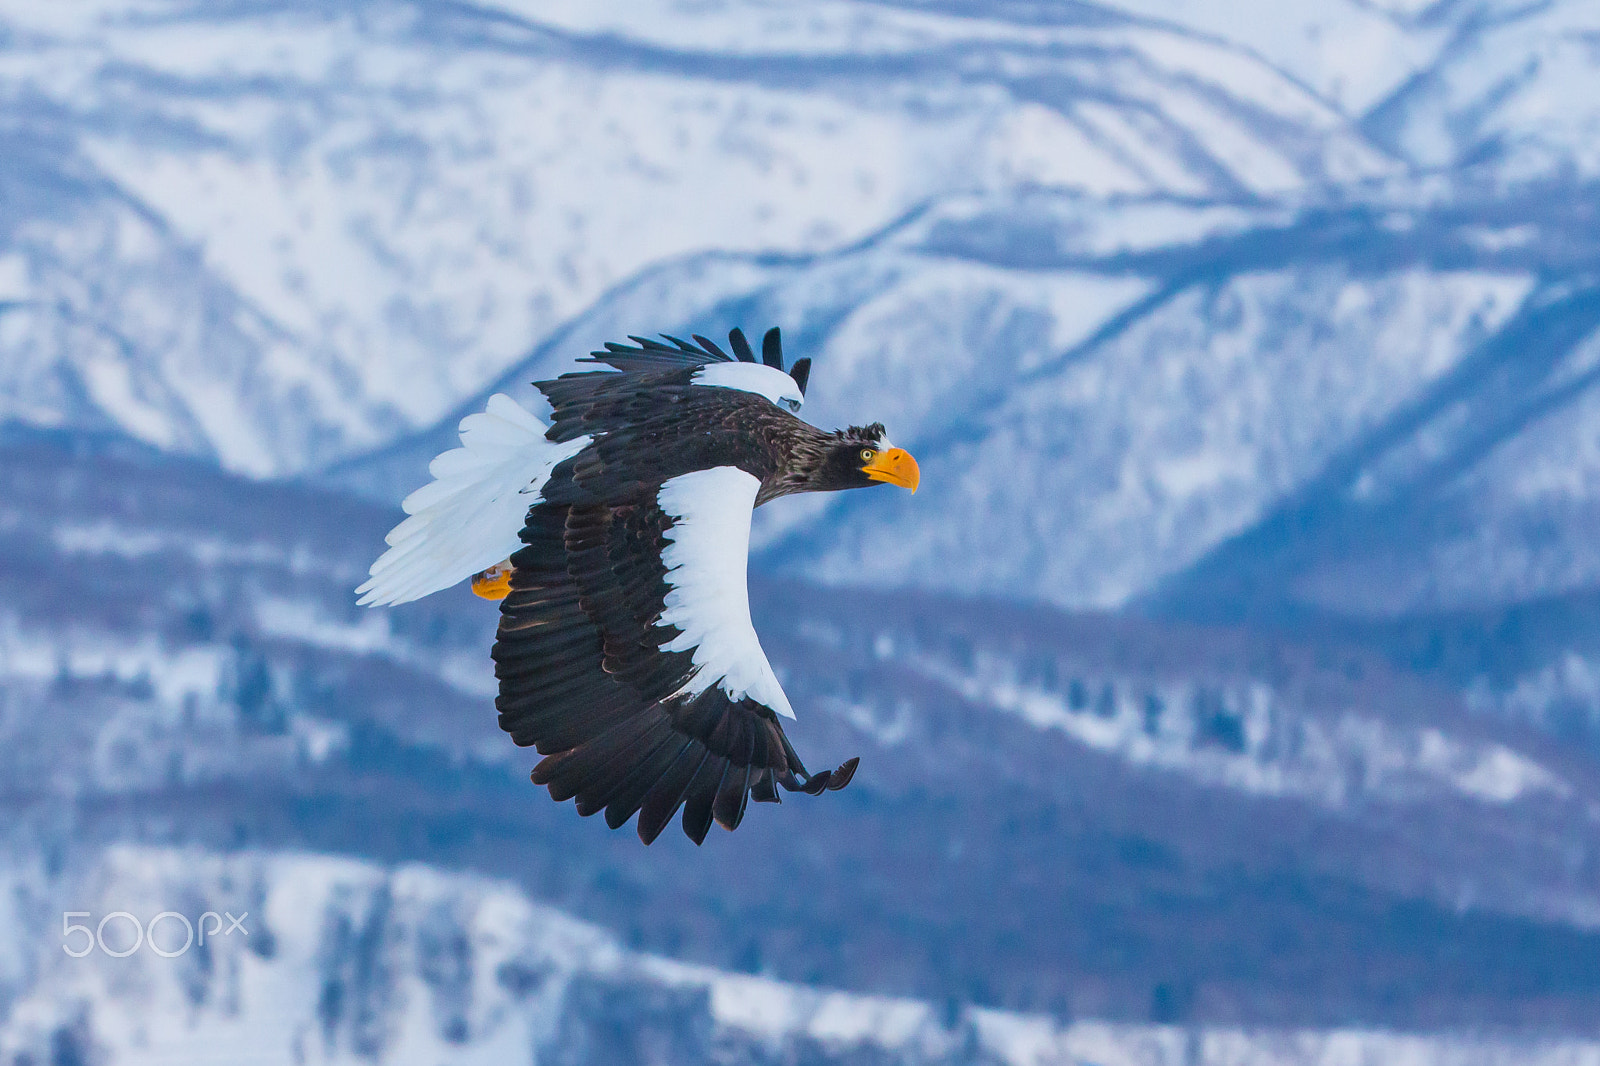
{"x": 801, "y": 451}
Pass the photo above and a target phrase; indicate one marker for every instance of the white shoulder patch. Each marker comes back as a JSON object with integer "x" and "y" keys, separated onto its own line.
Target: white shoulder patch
{"x": 470, "y": 516}
{"x": 708, "y": 598}
{"x": 758, "y": 378}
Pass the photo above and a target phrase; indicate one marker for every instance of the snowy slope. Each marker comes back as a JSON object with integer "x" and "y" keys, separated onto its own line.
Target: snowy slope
{"x": 392, "y": 205}
{"x": 339, "y": 961}
{"x": 1515, "y": 94}
{"x": 1131, "y": 459}
{"x": 1352, "y": 53}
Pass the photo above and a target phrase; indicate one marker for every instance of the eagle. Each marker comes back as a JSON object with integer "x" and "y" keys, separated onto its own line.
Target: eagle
{"x": 616, "y": 540}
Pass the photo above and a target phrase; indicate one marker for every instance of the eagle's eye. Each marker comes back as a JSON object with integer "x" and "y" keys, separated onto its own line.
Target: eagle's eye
{"x": 867, "y": 454}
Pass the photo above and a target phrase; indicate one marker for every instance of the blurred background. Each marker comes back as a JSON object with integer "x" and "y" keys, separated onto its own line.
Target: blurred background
{"x": 1230, "y": 693}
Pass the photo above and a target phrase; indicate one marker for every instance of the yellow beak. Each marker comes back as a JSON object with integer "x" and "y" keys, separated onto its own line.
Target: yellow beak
{"x": 896, "y": 467}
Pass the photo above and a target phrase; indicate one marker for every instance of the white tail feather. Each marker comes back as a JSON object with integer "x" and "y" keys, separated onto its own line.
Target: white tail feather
{"x": 468, "y": 518}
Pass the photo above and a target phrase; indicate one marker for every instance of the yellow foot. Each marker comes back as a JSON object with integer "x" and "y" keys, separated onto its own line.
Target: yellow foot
{"x": 495, "y": 582}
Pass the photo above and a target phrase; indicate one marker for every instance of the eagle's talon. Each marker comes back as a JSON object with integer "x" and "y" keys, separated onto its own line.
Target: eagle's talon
{"x": 818, "y": 784}
{"x": 493, "y": 583}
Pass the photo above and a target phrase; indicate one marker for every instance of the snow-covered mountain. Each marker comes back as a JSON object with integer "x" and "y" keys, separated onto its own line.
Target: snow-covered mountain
{"x": 349, "y": 218}
{"x": 1513, "y": 91}
{"x": 1143, "y": 284}
{"x": 1249, "y": 350}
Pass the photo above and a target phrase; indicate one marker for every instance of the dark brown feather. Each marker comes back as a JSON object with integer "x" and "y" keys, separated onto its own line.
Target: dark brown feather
{"x": 741, "y": 346}
{"x": 701, "y": 795}
{"x": 666, "y": 795}
{"x": 772, "y": 349}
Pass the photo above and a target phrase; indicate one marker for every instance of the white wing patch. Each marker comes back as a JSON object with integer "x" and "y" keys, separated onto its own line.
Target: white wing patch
{"x": 708, "y": 597}
{"x": 469, "y": 517}
{"x": 758, "y": 378}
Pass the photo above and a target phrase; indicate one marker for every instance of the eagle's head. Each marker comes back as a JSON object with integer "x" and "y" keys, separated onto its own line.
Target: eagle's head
{"x": 860, "y": 456}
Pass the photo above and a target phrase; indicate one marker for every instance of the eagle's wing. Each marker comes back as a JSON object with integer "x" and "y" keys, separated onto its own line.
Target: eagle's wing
{"x": 627, "y": 655}
{"x": 467, "y": 519}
